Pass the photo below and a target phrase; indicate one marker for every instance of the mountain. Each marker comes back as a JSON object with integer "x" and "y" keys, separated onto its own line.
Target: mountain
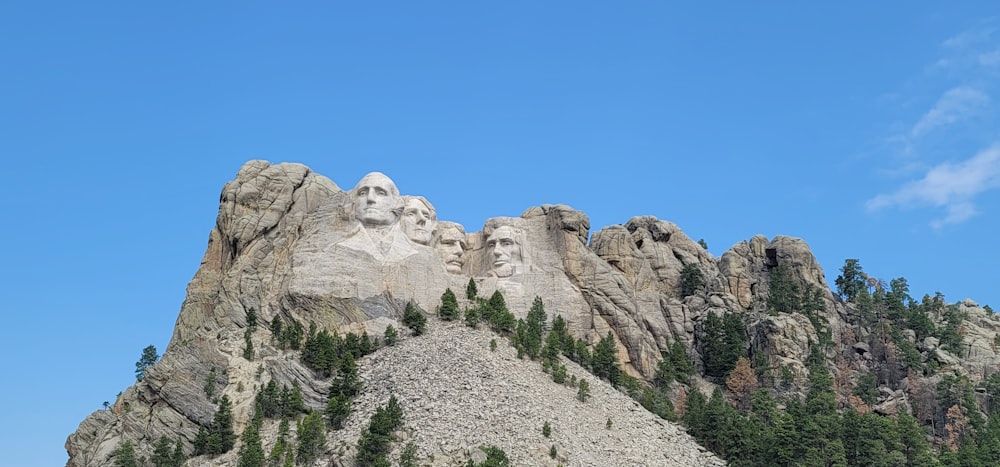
{"x": 291, "y": 247}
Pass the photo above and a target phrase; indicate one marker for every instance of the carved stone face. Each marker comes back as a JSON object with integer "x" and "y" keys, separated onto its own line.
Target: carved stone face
{"x": 375, "y": 200}
{"x": 451, "y": 247}
{"x": 418, "y": 220}
{"x": 505, "y": 251}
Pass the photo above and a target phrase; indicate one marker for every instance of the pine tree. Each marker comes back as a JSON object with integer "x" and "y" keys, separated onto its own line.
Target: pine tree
{"x": 251, "y": 451}
{"x": 724, "y": 341}
{"x": 496, "y": 313}
{"x": 219, "y": 437}
{"x": 276, "y": 325}
{"x": 583, "y": 391}
{"x": 374, "y": 442}
{"x": 783, "y": 292}
{"x": 604, "y": 361}
{"x": 414, "y": 319}
{"x": 124, "y": 455}
{"x": 248, "y": 352}
{"x": 162, "y": 453}
{"x": 167, "y": 453}
{"x": 851, "y": 281}
{"x": 251, "y": 319}
{"x": 692, "y": 279}
{"x": 448, "y": 311}
{"x": 535, "y": 328}
{"x": 148, "y": 358}
{"x": 471, "y": 292}
{"x": 391, "y": 335}
{"x": 342, "y": 392}
{"x": 311, "y": 438}
{"x": 472, "y": 317}
{"x": 178, "y": 455}
{"x": 408, "y": 456}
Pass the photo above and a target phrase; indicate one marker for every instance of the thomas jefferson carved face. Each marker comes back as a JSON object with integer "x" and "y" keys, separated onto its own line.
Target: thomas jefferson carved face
{"x": 419, "y": 219}
{"x": 451, "y": 247}
{"x": 505, "y": 251}
{"x": 376, "y": 200}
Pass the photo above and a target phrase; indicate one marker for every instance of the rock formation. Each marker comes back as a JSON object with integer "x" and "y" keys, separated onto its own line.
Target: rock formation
{"x": 290, "y": 244}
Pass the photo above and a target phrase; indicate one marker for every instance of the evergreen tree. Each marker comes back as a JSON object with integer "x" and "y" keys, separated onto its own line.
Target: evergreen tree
{"x": 783, "y": 296}
{"x": 472, "y": 317}
{"x": 495, "y": 457}
{"x": 604, "y": 361}
{"x": 414, "y": 319}
{"x": 342, "y": 392}
{"x": 124, "y": 455}
{"x": 219, "y": 437}
{"x": 162, "y": 453}
{"x": 408, "y": 456}
{"x": 496, "y": 313}
{"x": 251, "y": 319}
{"x": 374, "y": 442}
{"x": 311, "y": 438}
{"x": 148, "y": 358}
{"x": 867, "y": 389}
{"x": 583, "y": 390}
{"x": 448, "y": 311}
{"x": 535, "y": 328}
{"x": 471, "y": 292}
{"x": 692, "y": 279}
{"x": 276, "y": 328}
{"x": 178, "y": 455}
{"x": 201, "y": 441}
{"x": 278, "y": 452}
{"x": 391, "y": 335}
{"x": 248, "y": 352}
{"x": 167, "y": 453}
{"x": 724, "y": 343}
{"x": 851, "y": 281}
{"x": 251, "y": 451}
{"x": 292, "y": 403}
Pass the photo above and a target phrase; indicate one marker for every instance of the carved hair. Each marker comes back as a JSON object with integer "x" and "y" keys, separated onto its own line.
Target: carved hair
{"x": 430, "y": 207}
{"x": 397, "y": 201}
{"x": 445, "y": 225}
{"x": 517, "y": 225}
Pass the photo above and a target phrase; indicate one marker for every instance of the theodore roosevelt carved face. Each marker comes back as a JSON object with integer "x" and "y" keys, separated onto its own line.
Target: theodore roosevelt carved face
{"x": 419, "y": 219}
{"x": 376, "y": 200}
{"x": 504, "y": 249}
{"x": 451, "y": 246}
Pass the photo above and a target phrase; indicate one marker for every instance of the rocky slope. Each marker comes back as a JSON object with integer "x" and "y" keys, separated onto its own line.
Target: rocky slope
{"x": 290, "y": 243}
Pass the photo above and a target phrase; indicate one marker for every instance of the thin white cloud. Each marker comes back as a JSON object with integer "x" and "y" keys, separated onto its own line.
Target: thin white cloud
{"x": 990, "y": 59}
{"x": 954, "y": 105}
{"x": 953, "y": 187}
{"x": 972, "y": 36}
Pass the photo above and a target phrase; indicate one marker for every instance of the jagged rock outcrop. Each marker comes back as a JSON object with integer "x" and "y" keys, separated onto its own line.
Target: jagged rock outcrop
{"x": 289, "y": 243}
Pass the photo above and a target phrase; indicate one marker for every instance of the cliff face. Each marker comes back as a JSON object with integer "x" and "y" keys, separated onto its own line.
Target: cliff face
{"x": 290, "y": 243}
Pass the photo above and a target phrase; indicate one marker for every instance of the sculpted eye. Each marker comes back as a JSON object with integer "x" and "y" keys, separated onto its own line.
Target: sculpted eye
{"x": 379, "y": 191}
{"x": 362, "y": 192}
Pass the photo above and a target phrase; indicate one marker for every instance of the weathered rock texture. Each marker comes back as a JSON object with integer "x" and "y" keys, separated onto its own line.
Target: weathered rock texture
{"x": 290, "y": 243}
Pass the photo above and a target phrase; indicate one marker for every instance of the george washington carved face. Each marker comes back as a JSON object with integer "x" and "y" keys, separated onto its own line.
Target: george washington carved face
{"x": 376, "y": 200}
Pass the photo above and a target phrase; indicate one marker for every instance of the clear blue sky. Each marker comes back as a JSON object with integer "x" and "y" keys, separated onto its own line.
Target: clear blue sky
{"x": 869, "y": 129}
